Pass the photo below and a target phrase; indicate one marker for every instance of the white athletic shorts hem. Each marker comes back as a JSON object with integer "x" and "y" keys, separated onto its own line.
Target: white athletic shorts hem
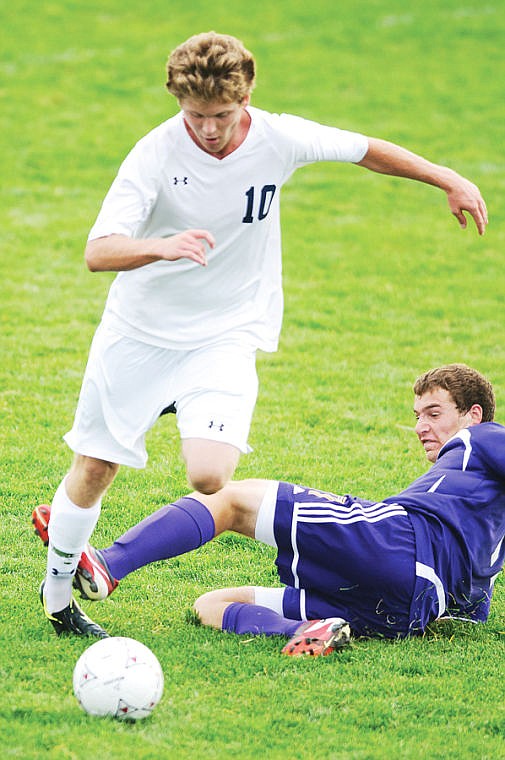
{"x": 128, "y": 383}
{"x": 270, "y": 598}
{"x": 264, "y": 530}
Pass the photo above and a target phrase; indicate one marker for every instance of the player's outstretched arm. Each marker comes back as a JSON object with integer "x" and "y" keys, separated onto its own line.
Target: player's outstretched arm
{"x": 118, "y": 253}
{"x": 462, "y": 195}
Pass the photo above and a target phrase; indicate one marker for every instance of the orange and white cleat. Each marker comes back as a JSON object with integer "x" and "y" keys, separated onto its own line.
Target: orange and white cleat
{"x": 319, "y": 638}
{"x": 92, "y": 578}
{"x": 40, "y": 520}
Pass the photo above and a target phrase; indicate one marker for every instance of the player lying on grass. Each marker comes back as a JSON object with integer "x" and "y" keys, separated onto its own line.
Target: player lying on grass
{"x": 388, "y": 568}
{"x": 191, "y": 225}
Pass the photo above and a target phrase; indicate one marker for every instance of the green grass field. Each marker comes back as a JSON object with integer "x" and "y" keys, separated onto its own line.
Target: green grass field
{"x": 380, "y": 285}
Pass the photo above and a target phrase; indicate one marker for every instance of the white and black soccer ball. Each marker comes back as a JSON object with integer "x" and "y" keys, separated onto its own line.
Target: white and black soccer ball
{"x": 118, "y": 677}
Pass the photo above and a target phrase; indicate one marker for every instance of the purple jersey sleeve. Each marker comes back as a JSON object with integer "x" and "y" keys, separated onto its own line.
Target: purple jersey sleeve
{"x": 458, "y": 513}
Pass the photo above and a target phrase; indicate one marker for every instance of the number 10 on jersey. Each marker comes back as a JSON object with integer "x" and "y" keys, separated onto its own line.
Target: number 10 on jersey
{"x": 264, "y": 202}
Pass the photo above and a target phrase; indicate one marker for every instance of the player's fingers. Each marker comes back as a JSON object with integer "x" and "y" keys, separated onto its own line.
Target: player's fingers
{"x": 185, "y": 249}
{"x": 204, "y": 235}
{"x": 479, "y": 215}
{"x": 461, "y": 218}
{"x": 194, "y": 255}
{"x": 480, "y": 222}
{"x": 477, "y": 211}
{"x": 483, "y": 214}
{"x": 483, "y": 208}
{"x": 195, "y": 252}
{"x": 467, "y": 199}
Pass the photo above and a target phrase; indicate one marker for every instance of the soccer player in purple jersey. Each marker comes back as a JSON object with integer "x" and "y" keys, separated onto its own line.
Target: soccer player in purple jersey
{"x": 386, "y": 568}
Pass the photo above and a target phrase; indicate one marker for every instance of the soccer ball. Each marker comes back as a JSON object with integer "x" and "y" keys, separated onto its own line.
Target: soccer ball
{"x": 118, "y": 677}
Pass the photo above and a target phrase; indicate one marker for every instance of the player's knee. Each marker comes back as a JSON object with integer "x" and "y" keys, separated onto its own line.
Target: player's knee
{"x": 208, "y": 609}
{"x": 93, "y": 470}
{"x": 207, "y": 482}
{"x": 209, "y": 464}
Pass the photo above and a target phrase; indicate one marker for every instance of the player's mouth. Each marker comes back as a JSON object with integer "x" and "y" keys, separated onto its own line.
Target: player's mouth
{"x": 429, "y": 443}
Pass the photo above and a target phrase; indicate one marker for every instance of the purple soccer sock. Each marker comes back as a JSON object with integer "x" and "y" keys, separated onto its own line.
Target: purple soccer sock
{"x": 252, "y": 618}
{"x": 174, "y": 529}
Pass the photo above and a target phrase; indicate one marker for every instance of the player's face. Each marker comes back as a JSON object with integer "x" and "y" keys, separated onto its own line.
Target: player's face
{"x": 216, "y": 127}
{"x": 438, "y": 419}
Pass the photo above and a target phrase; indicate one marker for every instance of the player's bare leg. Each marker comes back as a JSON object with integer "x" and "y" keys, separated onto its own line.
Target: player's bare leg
{"x": 172, "y": 530}
{"x": 313, "y": 638}
{"x": 210, "y": 607}
{"x": 88, "y": 479}
{"x": 209, "y": 464}
{"x": 235, "y": 507}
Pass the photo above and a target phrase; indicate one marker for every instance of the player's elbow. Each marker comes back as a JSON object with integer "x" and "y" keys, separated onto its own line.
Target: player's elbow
{"x": 93, "y": 256}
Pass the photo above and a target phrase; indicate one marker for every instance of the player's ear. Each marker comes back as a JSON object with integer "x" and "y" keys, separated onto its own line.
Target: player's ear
{"x": 475, "y": 413}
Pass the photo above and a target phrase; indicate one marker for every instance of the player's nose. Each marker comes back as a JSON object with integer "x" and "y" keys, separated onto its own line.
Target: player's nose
{"x": 421, "y": 426}
{"x": 209, "y": 126}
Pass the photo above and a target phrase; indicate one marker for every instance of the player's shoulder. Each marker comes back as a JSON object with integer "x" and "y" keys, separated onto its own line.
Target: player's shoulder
{"x": 487, "y": 446}
{"x": 488, "y": 436}
{"x": 485, "y": 433}
{"x": 484, "y": 442}
{"x": 484, "y": 430}
{"x": 152, "y": 150}
{"x": 284, "y": 124}
{"x": 170, "y": 128}
{"x": 480, "y": 440}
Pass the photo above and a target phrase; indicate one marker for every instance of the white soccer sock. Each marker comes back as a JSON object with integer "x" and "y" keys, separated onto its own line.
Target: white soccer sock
{"x": 70, "y": 528}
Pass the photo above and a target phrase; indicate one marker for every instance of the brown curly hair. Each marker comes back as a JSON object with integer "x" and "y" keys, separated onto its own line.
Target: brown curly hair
{"x": 465, "y": 385}
{"x": 211, "y": 67}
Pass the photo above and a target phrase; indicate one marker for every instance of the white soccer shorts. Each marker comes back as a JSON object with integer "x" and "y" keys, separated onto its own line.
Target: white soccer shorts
{"x": 127, "y": 384}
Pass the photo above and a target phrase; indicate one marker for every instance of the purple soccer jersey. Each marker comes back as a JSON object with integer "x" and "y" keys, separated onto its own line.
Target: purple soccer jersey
{"x": 391, "y": 567}
{"x": 457, "y": 510}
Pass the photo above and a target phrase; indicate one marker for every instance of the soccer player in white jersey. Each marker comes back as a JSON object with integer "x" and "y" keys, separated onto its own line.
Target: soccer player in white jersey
{"x": 191, "y": 226}
{"x": 387, "y": 568}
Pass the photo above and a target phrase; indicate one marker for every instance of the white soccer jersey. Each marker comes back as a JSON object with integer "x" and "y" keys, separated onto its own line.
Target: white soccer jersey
{"x": 166, "y": 185}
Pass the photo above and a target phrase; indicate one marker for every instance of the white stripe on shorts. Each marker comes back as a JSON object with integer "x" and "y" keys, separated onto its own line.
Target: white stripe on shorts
{"x": 294, "y": 545}
{"x": 425, "y": 571}
{"x": 315, "y": 512}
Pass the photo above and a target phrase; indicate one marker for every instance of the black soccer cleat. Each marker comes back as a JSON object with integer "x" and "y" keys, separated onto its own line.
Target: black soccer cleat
{"x": 72, "y": 620}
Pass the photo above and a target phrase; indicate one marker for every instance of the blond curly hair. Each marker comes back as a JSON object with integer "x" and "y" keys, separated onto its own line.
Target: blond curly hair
{"x": 211, "y": 67}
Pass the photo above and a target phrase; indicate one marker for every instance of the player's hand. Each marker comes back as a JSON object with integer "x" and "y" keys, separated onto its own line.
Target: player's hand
{"x": 191, "y": 244}
{"x": 465, "y": 196}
